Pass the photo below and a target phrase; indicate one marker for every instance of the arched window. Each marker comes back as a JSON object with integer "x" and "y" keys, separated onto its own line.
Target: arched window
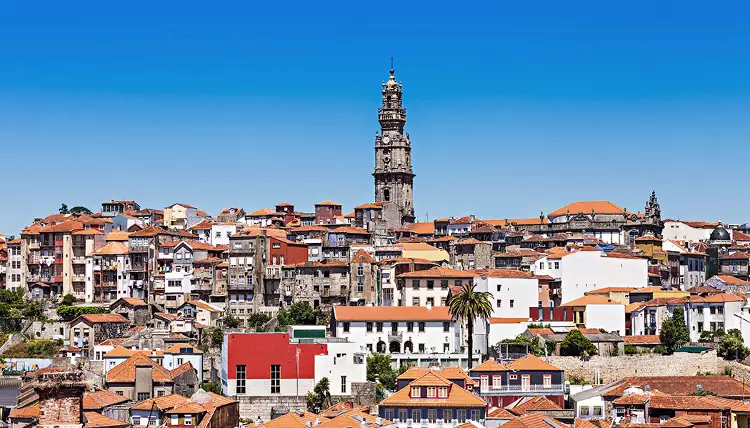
{"x": 408, "y": 346}
{"x": 394, "y": 347}
{"x": 386, "y": 194}
{"x": 381, "y": 347}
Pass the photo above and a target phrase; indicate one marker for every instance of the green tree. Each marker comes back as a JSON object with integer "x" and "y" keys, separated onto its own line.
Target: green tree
{"x": 319, "y": 398}
{"x": 533, "y": 345}
{"x": 703, "y": 393}
{"x": 706, "y": 336}
{"x": 68, "y": 300}
{"x": 257, "y": 320}
{"x": 732, "y": 346}
{"x": 674, "y": 332}
{"x": 575, "y": 344}
{"x": 211, "y": 387}
{"x": 217, "y": 337}
{"x": 64, "y": 209}
{"x": 379, "y": 368}
{"x": 299, "y": 313}
{"x": 469, "y": 305}
{"x": 231, "y": 322}
{"x": 80, "y": 210}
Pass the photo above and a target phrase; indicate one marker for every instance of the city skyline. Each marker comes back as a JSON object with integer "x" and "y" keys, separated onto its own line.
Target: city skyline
{"x": 605, "y": 100}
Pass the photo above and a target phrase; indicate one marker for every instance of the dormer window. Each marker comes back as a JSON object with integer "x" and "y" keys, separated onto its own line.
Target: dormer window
{"x": 431, "y": 392}
{"x": 443, "y": 392}
{"x": 416, "y": 392}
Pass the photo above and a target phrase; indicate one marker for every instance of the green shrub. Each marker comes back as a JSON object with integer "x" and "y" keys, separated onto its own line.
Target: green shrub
{"x": 631, "y": 350}
{"x": 659, "y": 349}
{"x": 72, "y": 312}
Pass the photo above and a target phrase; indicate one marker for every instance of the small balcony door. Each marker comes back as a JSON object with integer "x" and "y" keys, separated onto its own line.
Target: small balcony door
{"x": 525, "y": 382}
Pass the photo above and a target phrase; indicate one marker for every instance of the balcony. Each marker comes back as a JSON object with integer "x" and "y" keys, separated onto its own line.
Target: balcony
{"x": 137, "y": 283}
{"x": 555, "y": 388}
{"x": 33, "y": 246}
{"x": 395, "y": 337}
{"x": 79, "y": 260}
{"x": 138, "y": 249}
{"x": 47, "y": 260}
{"x": 240, "y": 287}
{"x": 79, "y": 277}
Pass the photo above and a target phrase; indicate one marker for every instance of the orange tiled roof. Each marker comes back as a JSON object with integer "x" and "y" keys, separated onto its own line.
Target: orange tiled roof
{"x": 204, "y": 224}
{"x": 25, "y": 412}
{"x": 531, "y": 362}
{"x": 731, "y": 280}
{"x": 641, "y": 340}
{"x": 587, "y": 207}
{"x": 524, "y": 405}
{"x": 607, "y": 290}
{"x": 504, "y": 273}
{"x": 87, "y": 232}
{"x": 363, "y": 256}
{"x": 591, "y": 300}
{"x": 66, "y": 226}
{"x": 534, "y": 420}
{"x": 203, "y": 305}
{"x": 96, "y": 420}
{"x": 457, "y": 396}
{"x": 350, "y": 230}
{"x": 328, "y": 202}
{"x": 100, "y": 399}
{"x": 162, "y": 403}
{"x": 723, "y": 386}
{"x": 632, "y": 399}
{"x": 353, "y": 418}
{"x": 182, "y": 368}
{"x": 295, "y": 420}
{"x": 424, "y": 228}
{"x": 415, "y": 372}
{"x": 125, "y": 371}
{"x": 101, "y": 318}
{"x": 391, "y": 313}
{"x": 175, "y": 349}
{"x": 740, "y": 236}
{"x": 132, "y": 301}
{"x": 500, "y": 413}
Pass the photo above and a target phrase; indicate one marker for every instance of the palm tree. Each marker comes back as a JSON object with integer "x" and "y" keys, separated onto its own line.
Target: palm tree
{"x": 469, "y": 305}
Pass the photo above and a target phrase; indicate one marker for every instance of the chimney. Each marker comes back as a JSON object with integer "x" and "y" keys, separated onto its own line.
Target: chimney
{"x": 60, "y": 398}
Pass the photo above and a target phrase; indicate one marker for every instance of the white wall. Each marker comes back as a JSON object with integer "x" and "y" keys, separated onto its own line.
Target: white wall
{"x": 343, "y": 359}
{"x": 523, "y": 293}
{"x": 680, "y": 231}
{"x": 609, "y": 317}
{"x": 433, "y": 336}
{"x": 589, "y": 270}
{"x": 172, "y": 361}
{"x": 500, "y": 332}
{"x": 225, "y": 231}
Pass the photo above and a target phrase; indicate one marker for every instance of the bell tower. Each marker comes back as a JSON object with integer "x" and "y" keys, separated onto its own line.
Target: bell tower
{"x": 394, "y": 179}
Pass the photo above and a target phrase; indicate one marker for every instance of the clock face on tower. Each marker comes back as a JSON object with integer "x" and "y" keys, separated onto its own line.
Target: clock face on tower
{"x": 386, "y": 140}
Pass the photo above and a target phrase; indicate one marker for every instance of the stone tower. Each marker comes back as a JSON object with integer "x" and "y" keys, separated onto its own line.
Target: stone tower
{"x": 394, "y": 179}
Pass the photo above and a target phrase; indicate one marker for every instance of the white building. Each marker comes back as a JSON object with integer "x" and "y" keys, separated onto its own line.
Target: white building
{"x": 391, "y": 329}
{"x": 589, "y": 269}
{"x": 513, "y": 293}
{"x": 108, "y": 274}
{"x": 428, "y": 287}
{"x": 180, "y": 354}
{"x": 696, "y": 231}
{"x": 598, "y": 312}
{"x": 14, "y": 265}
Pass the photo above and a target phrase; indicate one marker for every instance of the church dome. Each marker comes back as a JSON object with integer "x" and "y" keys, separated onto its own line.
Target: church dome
{"x": 720, "y": 234}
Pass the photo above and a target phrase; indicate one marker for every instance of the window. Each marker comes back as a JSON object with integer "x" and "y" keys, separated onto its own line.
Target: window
{"x": 416, "y": 414}
{"x": 598, "y": 411}
{"x": 457, "y": 282}
{"x": 379, "y": 327}
{"x": 421, "y": 348}
{"x": 415, "y": 284}
{"x": 541, "y": 265}
{"x": 346, "y": 327}
{"x": 118, "y": 392}
{"x": 432, "y": 415}
{"x": 430, "y": 301}
{"x": 443, "y": 392}
{"x": 499, "y": 287}
{"x": 409, "y": 326}
{"x": 275, "y": 379}
{"x": 431, "y": 392}
{"x": 513, "y": 376}
{"x": 497, "y": 381}
{"x": 416, "y": 392}
{"x": 402, "y": 415}
{"x": 484, "y": 383}
{"x": 547, "y": 381}
{"x": 475, "y": 415}
{"x": 343, "y": 384}
{"x": 369, "y": 326}
{"x": 160, "y": 393}
{"x": 446, "y": 326}
{"x": 240, "y": 375}
{"x": 388, "y": 413}
{"x": 415, "y": 301}
{"x": 557, "y": 265}
{"x": 499, "y": 303}
{"x": 461, "y": 415}
{"x": 585, "y": 410}
{"x": 511, "y": 302}
{"x": 421, "y": 326}
{"x": 443, "y": 284}
{"x": 137, "y": 420}
{"x": 188, "y": 419}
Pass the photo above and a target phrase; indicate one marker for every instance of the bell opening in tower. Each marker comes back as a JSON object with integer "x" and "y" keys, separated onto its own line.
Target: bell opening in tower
{"x": 386, "y": 195}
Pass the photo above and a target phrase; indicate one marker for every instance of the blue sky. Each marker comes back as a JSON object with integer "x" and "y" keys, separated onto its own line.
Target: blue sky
{"x": 514, "y": 107}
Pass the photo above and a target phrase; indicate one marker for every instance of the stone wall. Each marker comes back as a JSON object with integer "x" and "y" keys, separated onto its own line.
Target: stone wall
{"x": 48, "y": 330}
{"x": 613, "y": 368}
{"x": 254, "y": 408}
{"x": 362, "y": 393}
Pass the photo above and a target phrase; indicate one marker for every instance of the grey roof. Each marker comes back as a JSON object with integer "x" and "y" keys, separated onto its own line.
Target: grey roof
{"x": 720, "y": 234}
{"x": 594, "y": 392}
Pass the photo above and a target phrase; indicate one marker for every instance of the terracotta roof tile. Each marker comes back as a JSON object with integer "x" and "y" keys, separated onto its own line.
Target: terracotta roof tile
{"x": 294, "y": 420}
{"x": 534, "y": 420}
{"x": 415, "y": 372}
{"x": 176, "y": 348}
{"x": 723, "y": 386}
{"x": 597, "y": 207}
{"x": 363, "y": 256}
{"x": 641, "y": 340}
{"x": 439, "y": 272}
{"x": 591, "y": 300}
{"x": 102, "y": 318}
{"x": 96, "y": 420}
{"x": 731, "y": 280}
{"x": 125, "y": 371}
{"x": 507, "y": 320}
{"x": 457, "y": 396}
{"x": 100, "y": 399}
{"x": 163, "y": 403}
{"x": 525, "y": 404}
{"x": 25, "y": 412}
{"x": 204, "y": 305}
{"x": 328, "y": 202}
{"x": 389, "y": 313}
{"x": 500, "y": 413}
